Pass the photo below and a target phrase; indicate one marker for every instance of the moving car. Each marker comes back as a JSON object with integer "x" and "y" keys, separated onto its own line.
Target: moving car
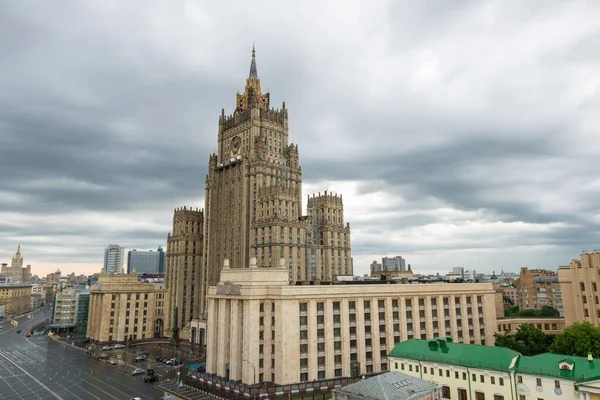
{"x": 19, "y": 331}
{"x": 150, "y": 376}
{"x": 141, "y": 357}
{"x": 138, "y": 371}
{"x": 106, "y": 348}
{"x": 119, "y": 346}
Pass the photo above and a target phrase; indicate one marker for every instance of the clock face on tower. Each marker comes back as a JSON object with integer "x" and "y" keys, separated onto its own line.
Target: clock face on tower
{"x": 235, "y": 145}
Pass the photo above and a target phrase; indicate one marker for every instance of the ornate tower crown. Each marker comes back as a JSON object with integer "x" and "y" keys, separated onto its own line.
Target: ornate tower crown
{"x": 252, "y": 96}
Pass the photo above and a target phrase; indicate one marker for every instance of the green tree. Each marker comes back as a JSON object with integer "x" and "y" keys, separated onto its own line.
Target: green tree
{"x": 533, "y": 338}
{"x": 511, "y": 311}
{"x": 578, "y": 339}
{"x": 529, "y": 340}
{"x": 508, "y": 341}
{"x": 548, "y": 311}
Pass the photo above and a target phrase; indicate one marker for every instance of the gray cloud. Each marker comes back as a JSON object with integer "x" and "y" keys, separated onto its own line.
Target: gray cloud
{"x": 458, "y": 133}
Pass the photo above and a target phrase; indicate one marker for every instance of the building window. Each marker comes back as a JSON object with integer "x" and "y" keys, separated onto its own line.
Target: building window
{"x": 462, "y": 394}
{"x": 519, "y": 379}
{"x": 304, "y": 377}
{"x": 501, "y": 381}
{"x": 479, "y": 396}
{"x": 455, "y": 374}
{"x": 446, "y": 392}
{"x": 492, "y": 380}
{"x": 474, "y": 378}
{"x": 481, "y": 379}
{"x": 396, "y": 365}
{"x": 498, "y": 397}
{"x": 538, "y": 381}
{"x": 557, "y": 384}
{"x": 464, "y": 376}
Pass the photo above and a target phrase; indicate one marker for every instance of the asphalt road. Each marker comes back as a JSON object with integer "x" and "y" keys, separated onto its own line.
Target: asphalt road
{"x": 41, "y": 368}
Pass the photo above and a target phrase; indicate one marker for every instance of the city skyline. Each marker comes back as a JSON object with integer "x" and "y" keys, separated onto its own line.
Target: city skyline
{"x": 460, "y": 137}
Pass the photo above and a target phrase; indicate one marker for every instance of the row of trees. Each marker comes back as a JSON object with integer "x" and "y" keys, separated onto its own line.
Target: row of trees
{"x": 578, "y": 339}
{"x": 545, "y": 311}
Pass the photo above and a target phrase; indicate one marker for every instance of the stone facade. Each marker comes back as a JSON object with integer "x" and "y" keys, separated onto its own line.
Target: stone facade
{"x": 16, "y": 297}
{"x": 579, "y": 283}
{"x": 293, "y": 333}
{"x": 122, "y": 308}
{"x": 185, "y": 270}
{"x": 536, "y": 288}
{"x": 253, "y": 209}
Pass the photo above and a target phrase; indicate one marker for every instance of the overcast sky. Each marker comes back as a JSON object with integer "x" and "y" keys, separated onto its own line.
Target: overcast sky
{"x": 459, "y": 133}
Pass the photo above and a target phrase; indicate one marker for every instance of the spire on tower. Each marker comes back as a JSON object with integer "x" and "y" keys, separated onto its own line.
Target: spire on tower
{"x": 19, "y": 248}
{"x": 253, "y": 73}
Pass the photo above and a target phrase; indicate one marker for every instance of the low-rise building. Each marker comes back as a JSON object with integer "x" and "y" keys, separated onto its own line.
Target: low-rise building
{"x": 37, "y": 301}
{"x": 297, "y": 333}
{"x": 549, "y": 325}
{"x": 16, "y": 297}
{"x": 390, "y": 385}
{"x": 121, "y": 308}
{"x": 467, "y": 371}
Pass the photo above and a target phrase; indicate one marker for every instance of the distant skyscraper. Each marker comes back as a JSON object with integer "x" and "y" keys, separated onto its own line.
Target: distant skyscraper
{"x": 113, "y": 259}
{"x": 149, "y": 262}
{"x": 390, "y": 264}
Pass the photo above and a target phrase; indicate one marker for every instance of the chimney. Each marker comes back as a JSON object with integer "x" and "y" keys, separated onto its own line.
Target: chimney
{"x": 590, "y": 357}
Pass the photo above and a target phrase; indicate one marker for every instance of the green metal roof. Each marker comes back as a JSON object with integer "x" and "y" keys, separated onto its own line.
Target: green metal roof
{"x": 547, "y": 365}
{"x": 466, "y": 355}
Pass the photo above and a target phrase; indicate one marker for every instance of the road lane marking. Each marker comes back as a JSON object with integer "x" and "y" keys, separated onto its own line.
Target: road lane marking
{"x": 32, "y": 377}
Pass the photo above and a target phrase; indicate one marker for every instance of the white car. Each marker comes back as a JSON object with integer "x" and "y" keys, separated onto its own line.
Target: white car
{"x": 119, "y": 346}
{"x": 106, "y": 348}
{"x": 138, "y": 371}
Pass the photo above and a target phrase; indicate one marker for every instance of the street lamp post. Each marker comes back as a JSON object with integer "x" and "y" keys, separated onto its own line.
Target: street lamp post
{"x": 253, "y": 369}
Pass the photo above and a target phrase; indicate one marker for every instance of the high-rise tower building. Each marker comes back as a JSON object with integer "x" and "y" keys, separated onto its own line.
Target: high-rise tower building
{"x": 184, "y": 267}
{"x": 146, "y": 262}
{"x": 254, "y": 198}
{"x": 113, "y": 259}
{"x": 253, "y": 205}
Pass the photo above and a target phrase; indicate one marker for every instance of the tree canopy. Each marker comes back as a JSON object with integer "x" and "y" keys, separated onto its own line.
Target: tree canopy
{"x": 545, "y": 311}
{"x": 578, "y": 339}
{"x": 529, "y": 340}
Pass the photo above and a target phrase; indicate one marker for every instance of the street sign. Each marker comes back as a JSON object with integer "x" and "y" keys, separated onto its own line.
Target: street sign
{"x": 178, "y": 373}
{"x": 107, "y": 380}
{"x": 119, "y": 356}
{"x": 89, "y": 347}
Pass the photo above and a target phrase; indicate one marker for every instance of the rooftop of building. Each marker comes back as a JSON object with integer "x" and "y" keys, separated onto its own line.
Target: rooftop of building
{"x": 575, "y": 368}
{"x": 444, "y": 351}
{"x": 390, "y": 385}
{"x": 15, "y": 285}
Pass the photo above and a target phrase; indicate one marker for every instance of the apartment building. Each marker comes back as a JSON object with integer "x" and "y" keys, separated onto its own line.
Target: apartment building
{"x": 295, "y": 333}
{"x": 579, "y": 283}
{"x": 534, "y": 289}
{"x": 16, "y": 297}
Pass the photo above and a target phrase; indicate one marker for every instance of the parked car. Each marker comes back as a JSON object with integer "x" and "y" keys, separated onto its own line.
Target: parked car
{"x": 106, "y": 348}
{"x": 119, "y": 346}
{"x": 141, "y": 357}
{"x": 173, "y": 361}
{"x": 162, "y": 359}
{"x": 138, "y": 371}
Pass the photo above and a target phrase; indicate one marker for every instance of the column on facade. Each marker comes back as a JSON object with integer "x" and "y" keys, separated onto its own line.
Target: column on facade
{"x": 360, "y": 334}
{"x": 403, "y": 320}
{"x": 440, "y": 314}
{"x": 476, "y": 330}
{"x": 235, "y": 363}
{"x": 251, "y": 330}
{"x": 465, "y": 318}
{"x": 453, "y": 321}
{"x": 212, "y": 335}
{"x": 416, "y": 308}
{"x": 376, "y": 357}
{"x": 313, "y": 354}
{"x": 345, "y": 319}
{"x": 429, "y": 317}
{"x": 329, "y": 338}
{"x": 389, "y": 324}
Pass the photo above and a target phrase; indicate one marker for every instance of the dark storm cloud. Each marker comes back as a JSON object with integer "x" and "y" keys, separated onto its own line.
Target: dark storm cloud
{"x": 453, "y": 127}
